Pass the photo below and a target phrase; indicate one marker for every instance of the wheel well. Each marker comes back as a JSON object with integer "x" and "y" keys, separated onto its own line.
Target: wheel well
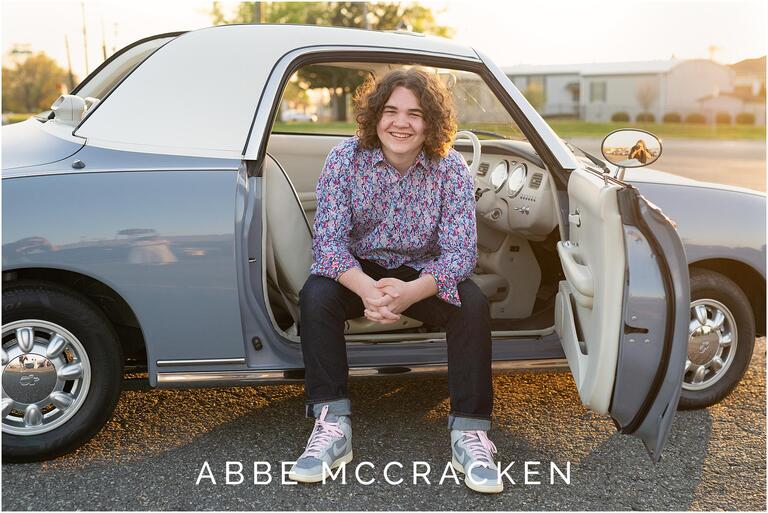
{"x": 746, "y": 277}
{"x": 105, "y": 298}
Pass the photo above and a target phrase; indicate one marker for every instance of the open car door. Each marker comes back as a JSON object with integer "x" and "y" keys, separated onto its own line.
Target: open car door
{"x": 622, "y": 312}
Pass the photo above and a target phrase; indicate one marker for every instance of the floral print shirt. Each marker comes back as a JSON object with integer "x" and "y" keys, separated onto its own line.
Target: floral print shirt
{"x": 424, "y": 219}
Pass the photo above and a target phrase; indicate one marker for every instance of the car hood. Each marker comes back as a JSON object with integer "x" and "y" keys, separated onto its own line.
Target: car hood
{"x": 648, "y": 175}
{"x": 33, "y": 143}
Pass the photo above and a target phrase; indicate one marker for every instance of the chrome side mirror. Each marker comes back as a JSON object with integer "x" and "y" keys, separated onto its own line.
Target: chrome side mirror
{"x": 630, "y": 147}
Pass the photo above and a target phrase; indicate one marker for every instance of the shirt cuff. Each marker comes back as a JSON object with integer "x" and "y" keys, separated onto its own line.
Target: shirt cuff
{"x": 334, "y": 265}
{"x": 447, "y": 287}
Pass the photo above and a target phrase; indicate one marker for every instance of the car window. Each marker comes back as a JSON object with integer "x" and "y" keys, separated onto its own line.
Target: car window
{"x": 318, "y": 100}
{"x": 111, "y": 72}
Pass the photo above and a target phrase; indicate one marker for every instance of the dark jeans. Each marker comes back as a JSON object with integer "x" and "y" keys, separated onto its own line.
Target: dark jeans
{"x": 325, "y": 304}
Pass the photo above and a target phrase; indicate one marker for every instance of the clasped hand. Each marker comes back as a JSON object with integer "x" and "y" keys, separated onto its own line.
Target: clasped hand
{"x": 386, "y": 298}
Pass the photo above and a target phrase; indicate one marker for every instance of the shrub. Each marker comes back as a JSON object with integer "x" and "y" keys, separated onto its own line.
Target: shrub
{"x": 645, "y": 117}
{"x": 745, "y": 118}
{"x": 671, "y": 117}
{"x": 620, "y": 117}
{"x": 695, "y": 118}
{"x": 723, "y": 118}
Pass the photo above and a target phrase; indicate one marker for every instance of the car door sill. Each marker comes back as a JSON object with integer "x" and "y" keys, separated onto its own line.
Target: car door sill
{"x": 405, "y": 337}
{"x": 239, "y": 377}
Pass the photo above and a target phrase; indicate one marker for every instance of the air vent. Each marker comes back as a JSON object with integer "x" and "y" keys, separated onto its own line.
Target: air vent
{"x": 483, "y": 169}
{"x": 535, "y": 182}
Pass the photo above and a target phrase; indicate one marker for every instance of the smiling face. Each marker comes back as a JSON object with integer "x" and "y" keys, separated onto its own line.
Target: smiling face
{"x": 401, "y": 127}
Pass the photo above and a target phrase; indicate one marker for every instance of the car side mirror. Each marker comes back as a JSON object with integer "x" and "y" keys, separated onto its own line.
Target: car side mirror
{"x": 629, "y": 147}
{"x": 69, "y": 109}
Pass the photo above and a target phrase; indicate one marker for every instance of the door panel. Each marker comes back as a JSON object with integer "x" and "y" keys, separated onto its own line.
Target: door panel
{"x": 622, "y": 311}
{"x": 593, "y": 262}
{"x": 303, "y": 157}
{"x": 654, "y": 344}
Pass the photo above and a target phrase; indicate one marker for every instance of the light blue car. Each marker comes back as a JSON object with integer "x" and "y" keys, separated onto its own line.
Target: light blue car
{"x": 159, "y": 218}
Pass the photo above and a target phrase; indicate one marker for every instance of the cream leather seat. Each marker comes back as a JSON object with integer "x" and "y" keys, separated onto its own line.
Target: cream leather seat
{"x": 289, "y": 247}
{"x": 289, "y": 250}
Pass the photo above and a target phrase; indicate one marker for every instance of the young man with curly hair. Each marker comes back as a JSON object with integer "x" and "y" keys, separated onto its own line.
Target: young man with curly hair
{"x": 395, "y": 233}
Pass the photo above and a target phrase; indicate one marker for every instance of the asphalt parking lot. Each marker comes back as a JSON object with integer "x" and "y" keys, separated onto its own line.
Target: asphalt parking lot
{"x": 150, "y": 455}
{"x": 739, "y": 163}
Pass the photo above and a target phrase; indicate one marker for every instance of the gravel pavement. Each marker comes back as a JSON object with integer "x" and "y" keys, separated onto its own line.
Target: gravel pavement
{"x": 149, "y": 456}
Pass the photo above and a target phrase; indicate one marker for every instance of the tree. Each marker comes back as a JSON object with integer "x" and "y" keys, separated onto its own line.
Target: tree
{"x": 380, "y": 15}
{"x": 646, "y": 95}
{"x": 534, "y": 93}
{"x": 372, "y": 15}
{"x": 33, "y": 84}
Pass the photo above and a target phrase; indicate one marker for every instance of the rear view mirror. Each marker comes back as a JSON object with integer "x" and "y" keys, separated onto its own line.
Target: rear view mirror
{"x": 629, "y": 147}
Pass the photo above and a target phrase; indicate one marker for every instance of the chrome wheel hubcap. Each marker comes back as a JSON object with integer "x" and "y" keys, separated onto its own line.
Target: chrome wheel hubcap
{"x": 712, "y": 339}
{"x": 46, "y": 376}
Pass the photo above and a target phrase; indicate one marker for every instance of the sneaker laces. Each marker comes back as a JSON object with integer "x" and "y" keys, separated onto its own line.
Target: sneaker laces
{"x": 480, "y": 447}
{"x": 323, "y": 434}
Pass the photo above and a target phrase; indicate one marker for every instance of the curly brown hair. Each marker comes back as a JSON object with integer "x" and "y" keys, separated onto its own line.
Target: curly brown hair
{"x": 435, "y": 100}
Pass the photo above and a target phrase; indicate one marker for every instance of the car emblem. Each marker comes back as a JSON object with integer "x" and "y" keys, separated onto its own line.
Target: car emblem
{"x": 29, "y": 380}
{"x": 703, "y": 346}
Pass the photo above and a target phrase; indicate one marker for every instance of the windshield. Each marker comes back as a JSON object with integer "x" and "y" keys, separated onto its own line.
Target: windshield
{"x": 592, "y": 158}
{"x": 118, "y": 66}
{"x": 477, "y": 108}
{"x": 104, "y": 78}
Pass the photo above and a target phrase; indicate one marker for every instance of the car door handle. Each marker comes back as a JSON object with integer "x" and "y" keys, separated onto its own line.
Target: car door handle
{"x": 578, "y": 275}
{"x": 575, "y": 218}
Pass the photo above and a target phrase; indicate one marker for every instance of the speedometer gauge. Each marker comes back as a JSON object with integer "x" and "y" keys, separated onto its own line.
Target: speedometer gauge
{"x": 517, "y": 179}
{"x": 499, "y": 174}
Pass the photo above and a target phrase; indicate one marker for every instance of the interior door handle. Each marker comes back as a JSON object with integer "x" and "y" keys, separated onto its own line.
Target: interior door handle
{"x": 575, "y": 218}
{"x": 578, "y": 275}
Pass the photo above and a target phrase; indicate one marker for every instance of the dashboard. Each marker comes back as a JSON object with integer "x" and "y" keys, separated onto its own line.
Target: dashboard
{"x": 513, "y": 190}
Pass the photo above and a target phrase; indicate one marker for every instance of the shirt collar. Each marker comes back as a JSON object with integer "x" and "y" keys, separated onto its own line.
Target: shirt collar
{"x": 421, "y": 158}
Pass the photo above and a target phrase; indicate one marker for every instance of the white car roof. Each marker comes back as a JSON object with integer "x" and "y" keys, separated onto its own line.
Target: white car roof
{"x": 197, "y": 95}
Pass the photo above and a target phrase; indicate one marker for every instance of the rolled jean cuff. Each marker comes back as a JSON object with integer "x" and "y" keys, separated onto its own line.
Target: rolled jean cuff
{"x": 335, "y": 407}
{"x": 468, "y": 423}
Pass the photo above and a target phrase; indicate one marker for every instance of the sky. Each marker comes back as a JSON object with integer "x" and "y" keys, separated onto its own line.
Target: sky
{"x": 510, "y": 32}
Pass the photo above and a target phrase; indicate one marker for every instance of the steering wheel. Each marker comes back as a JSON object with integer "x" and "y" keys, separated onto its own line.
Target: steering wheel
{"x": 475, "y": 150}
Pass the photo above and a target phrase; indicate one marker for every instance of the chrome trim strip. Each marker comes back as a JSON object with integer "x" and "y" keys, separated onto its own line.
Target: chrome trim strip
{"x": 207, "y": 361}
{"x": 265, "y": 376}
{"x": 10, "y": 174}
{"x": 406, "y": 337}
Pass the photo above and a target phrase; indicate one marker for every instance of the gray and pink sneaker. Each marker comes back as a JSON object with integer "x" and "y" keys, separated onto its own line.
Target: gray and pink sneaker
{"x": 330, "y": 443}
{"x": 472, "y": 455}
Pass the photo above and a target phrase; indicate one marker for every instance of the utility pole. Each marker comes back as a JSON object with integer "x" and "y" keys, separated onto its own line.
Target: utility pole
{"x": 712, "y": 49}
{"x": 70, "y": 76}
{"x": 258, "y": 15}
{"x": 85, "y": 38}
{"x": 20, "y": 52}
{"x": 103, "y": 41}
{"x": 366, "y": 22}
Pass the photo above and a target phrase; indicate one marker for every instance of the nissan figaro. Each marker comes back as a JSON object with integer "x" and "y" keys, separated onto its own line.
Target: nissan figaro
{"x": 160, "y": 218}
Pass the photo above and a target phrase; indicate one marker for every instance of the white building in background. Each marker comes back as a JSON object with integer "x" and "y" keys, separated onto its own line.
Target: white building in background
{"x": 596, "y": 92}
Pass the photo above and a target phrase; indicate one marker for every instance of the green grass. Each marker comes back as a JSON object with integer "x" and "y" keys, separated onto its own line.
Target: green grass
{"x": 569, "y": 129}
{"x": 564, "y": 128}
{"x": 333, "y": 127}
{"x": 15, "y": 118}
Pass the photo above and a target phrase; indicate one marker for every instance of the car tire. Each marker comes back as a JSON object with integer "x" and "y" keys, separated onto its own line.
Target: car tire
{"x": 716, "y": 293}
{"x": 59, "y": 349}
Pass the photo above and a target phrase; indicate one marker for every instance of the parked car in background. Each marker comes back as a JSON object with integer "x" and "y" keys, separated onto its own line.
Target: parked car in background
{"x": 151, "y": 226}
{"x": 297, "y": 115}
